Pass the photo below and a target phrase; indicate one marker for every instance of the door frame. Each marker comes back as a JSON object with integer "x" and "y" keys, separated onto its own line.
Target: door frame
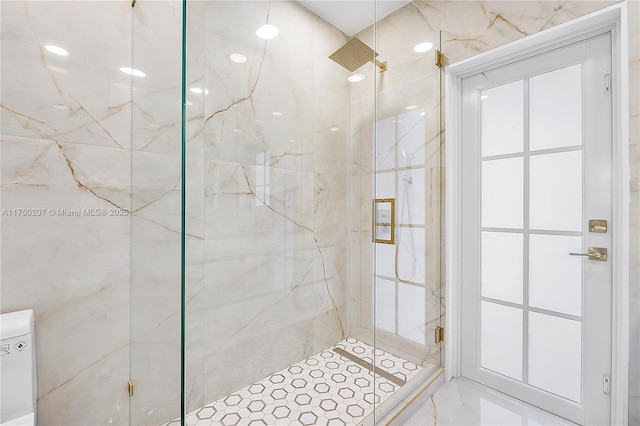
{"x": 613, "y": 18}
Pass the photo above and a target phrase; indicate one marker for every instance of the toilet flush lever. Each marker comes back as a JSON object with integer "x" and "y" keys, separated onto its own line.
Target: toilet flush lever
{"x": 594, "y": 253}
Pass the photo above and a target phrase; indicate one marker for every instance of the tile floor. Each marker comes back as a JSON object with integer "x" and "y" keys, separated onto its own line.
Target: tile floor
{"x": 464, "y": 402}
{"x": 334, "y": 387}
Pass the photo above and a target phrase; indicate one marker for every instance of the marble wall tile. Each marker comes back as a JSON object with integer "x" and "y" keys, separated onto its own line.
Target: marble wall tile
{"x": 72, "y": 267}
{"x": 475, "y": 27}
{"x": 67, "y": 97}
{"x": 156, "y": 98}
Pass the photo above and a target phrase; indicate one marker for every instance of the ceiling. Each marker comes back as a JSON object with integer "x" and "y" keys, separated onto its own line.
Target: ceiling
{"x": 352, "y": 16}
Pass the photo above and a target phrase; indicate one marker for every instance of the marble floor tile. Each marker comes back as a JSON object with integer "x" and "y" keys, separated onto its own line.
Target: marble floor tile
{"x": 334, "y": 387}
{"x": 465, "y": 403}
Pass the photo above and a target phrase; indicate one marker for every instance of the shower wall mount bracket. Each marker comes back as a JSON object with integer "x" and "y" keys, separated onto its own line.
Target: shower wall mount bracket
{"x": 439, "y": 59}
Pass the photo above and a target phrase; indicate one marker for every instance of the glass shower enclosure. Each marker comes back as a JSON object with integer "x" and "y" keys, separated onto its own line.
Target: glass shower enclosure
{"x": 270, "y": 250}
{"x": 293, "y": 312}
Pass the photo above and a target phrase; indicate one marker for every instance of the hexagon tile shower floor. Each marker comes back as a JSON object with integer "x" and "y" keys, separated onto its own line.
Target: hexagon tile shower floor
{"x": 334, "y": 387}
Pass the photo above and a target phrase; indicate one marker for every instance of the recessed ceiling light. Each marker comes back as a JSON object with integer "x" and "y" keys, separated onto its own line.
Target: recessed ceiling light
{"x": 334, "y": 129}
{"x": 425, "y": 46}
{"x": 60, "y": 106}
{"x": 199, "y": 91}
{"x": 267, "y": 32}
{"x": 58, "y": 69}
{"x": 410, "y": 107}
{"x": 356, "y": 78}
{"x": 276, "y": 113}
{"x": 422, "y": 114}
{"x": 132, "y": 71}
{"x": 238, "y": 58}
{"x": 56, "y": 50}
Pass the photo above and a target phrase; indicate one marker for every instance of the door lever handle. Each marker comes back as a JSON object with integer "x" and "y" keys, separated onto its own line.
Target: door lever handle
{"x": 594, "y": 253}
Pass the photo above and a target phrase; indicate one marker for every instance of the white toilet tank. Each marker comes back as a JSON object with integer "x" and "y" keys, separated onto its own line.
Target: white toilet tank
{"x": 18, "y": 385}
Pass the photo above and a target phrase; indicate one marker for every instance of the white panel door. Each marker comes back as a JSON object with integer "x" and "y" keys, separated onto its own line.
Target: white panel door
{"x": 536, "y": 168}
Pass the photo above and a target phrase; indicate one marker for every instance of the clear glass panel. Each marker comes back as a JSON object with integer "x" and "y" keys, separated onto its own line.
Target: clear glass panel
{"x": 555, "y": 197}
{"x": 385, "y": 302}
{"x": 502, "y": 193}
{"x": 501, "y": 339}
{"x": 501, "y": 269}
{"x": 555, "y": 109}
{"x": 411, "y": 312}
{"x": 503, "y": 119}
{"x": 555, "y": 277}
{"x": 555, "y": 355}
{"x": 407, "y": 143}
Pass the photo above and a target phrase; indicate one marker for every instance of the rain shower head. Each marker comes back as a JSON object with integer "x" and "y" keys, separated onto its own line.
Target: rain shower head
{"x": 355, "y": 54}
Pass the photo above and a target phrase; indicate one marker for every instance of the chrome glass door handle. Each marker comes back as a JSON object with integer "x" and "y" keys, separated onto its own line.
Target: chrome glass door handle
{"x": 594, "y": 253}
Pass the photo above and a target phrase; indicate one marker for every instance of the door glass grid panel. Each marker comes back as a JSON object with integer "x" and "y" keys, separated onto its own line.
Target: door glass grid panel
{"x": 538, "y": 197}
{"x": 502, "y": 267}
{"x": 502, "y": 124}
{"x": 555, "y": 194}
{"x": 555, "y": 108}
{"x": 502, "y": 193}
{"x": 501, "y": 339}
{"x": 555, "y": 279}
{"x": 554, "y": 345}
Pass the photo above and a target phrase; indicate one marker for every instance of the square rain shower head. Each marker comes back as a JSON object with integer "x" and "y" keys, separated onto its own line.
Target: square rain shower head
{"x": 353, "y": 55}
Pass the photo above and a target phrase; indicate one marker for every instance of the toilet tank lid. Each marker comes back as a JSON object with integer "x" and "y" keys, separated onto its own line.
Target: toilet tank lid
{"x": 14, "y": 324}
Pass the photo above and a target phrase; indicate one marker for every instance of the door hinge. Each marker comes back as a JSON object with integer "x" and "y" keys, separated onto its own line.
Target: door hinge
{"x": 130, "y": 387}
{"x": 606, "y": 384}
{"x": 439, "y": 334}
{"x": 439, "y": 59}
